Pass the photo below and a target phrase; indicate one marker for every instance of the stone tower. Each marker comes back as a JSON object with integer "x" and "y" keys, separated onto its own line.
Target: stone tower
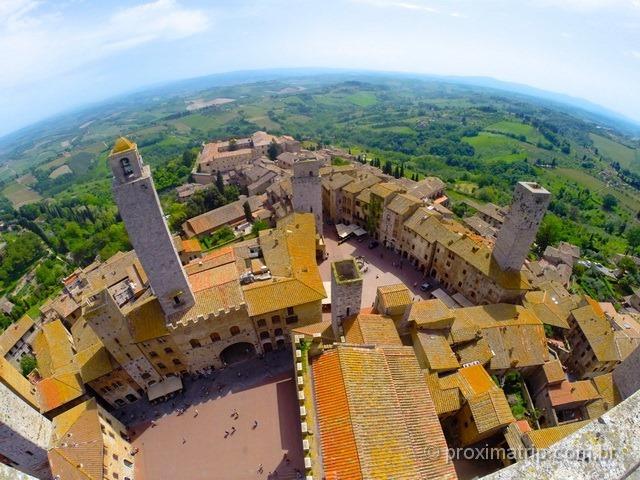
{"x": 25, "y": 433}
{"x": 520, "y": 226}
{"x": 307, "y": 189}
{"x": 140, "y": 209}
{"x": 346, "y": 292}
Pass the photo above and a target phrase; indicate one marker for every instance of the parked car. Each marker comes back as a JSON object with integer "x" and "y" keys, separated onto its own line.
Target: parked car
{"x": 425, "y": 286}
{"x": 373, "y": 244}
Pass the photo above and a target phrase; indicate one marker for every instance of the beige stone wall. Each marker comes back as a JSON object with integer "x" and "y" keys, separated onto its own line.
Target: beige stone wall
{"x": 118, "y": 461}
{"x": 24, "y": 435}
{"x": 273, "y": 327}
{"x": 226, "y": 163}
{"x": 116, "y": 388}
{"x": 198, "y": 341}
{"x": 164, "y": 354}
{"x": 581, "y": 360}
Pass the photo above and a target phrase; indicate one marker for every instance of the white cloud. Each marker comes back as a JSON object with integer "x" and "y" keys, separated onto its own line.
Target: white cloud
{"x": 588, "y": 5}
{"x": 399, "y": 4}
{"x": 39, "y": 43}
{"x": 635, "y": 54}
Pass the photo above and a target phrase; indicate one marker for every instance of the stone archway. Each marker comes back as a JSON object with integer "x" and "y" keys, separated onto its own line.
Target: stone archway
{"x": 238, "y": 352}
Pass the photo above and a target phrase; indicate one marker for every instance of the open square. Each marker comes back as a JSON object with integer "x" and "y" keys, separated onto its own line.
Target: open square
{"x": 194, "y": 447}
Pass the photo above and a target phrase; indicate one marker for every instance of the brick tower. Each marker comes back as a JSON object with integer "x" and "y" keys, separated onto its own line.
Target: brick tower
{"x": 520, "y": 226}
{"x": 140, "y": 209}
{"x": 346, "y": 292}
{"x": 307, "y": 189}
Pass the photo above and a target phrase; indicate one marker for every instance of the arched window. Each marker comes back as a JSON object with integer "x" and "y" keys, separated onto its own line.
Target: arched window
{"x": 176, "y": 361}
{"x": 131, "y": 397}
{"x": 262, "y": 322}
{"x": 125, "y": 163}
{"x": 168, "y": 350}
{"x": 161, "y": 366}
{"x": 195, "y": 343}
{"x": 215, "y": 337}
{"x": 275, "y": 319}
{"x": 234, "y": 330}
{"x": 264, "y": 335}
{"x": 277, "y": 332}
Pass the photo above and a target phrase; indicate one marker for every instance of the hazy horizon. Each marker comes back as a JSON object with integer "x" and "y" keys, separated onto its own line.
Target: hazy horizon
{"x": 66, "y": 55}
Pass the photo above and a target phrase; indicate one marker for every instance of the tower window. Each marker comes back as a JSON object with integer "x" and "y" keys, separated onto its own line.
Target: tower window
{"x": 125, "y": 163}
{"x": 176, "y": 300}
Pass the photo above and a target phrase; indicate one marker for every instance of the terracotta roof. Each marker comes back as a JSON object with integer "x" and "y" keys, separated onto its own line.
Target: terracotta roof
{"x": 92, "y": 357}
{"x": 191, "y": 246}
{"x": 383, "y": 190}
{"x": 78, "y": 446}
{"x": 569, "y": 393}
{"x": 545, "y": 437}
{"x": 490, "y": 410}
{"x": 323, "y": 328}
{"x": 436, "y": 348}
{"x": 597, "y": 330}
{"x": 227, "y": 214}
{"x": 371, "y": 329}
{"x": 14, "y": 380}
{"x": 289, "y": 251}
{"x": 376, "y": 417}
{"x": 609, "y": 393}
{"x": 14, "y": 333}
{"x": 393, "y": 296}
{"x": 549, "y": 308}
{"x": 553, "y": 371}
{"x": 515, "y": 335}
{"x": 122, "y": 145}
{"x": 445, "y": 400}
{"x": 403, "y": 203}
{"x": 147, "y": 321}
{"x": 360, "y": 185}
{"x": 61, "y": 381}
{"x": 431, "y": 314}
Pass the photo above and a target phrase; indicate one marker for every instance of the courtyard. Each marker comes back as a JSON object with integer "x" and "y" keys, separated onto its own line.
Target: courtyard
{"x": 385, "y": 267}
{"x": 186, "y": 437}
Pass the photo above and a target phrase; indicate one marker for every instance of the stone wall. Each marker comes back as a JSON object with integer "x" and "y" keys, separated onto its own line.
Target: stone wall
{"x": 346, "y": 292}
{"x": 611, "y": 442}
{"x": 24, "y": 435}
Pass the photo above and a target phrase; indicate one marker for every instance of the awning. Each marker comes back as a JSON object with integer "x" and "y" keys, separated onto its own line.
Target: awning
{"x": 445, "y": 297}
{"x": 359, "y": 232}
{"x": 165, "y": 387}
{"x": 327, "y": 289}
{"x": 345, "y": 230}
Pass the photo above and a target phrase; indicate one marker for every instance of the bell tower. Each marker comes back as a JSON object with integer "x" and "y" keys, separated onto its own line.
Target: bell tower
{"x": 139, "y": 207}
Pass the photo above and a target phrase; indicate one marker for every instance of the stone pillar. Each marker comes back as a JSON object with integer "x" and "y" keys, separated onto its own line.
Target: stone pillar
{"x": 346, "y": 292}
{"x": 520, "y": 226}
{"x": 140, "y": 209}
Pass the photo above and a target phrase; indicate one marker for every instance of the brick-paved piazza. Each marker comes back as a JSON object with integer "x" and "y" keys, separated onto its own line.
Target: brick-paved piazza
{"x": 195, "y": 447}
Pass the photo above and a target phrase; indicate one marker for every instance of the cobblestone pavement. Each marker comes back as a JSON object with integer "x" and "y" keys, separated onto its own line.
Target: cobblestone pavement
{"x": 194, "y": 445}
{"x": 384, "y": 266}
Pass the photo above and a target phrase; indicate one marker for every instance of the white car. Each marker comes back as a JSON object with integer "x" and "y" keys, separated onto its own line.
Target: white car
{"x": 425, "y": 286}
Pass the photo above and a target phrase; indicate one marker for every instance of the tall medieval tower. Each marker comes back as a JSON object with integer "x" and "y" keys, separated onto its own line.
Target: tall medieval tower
{"x": 140, "y": 209}
{"x": 307, "y": 189}
{"x": 520, "y": 227}
{"x": 346, "y": 292}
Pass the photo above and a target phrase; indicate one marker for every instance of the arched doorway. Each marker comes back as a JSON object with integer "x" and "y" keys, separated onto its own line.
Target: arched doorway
{"x": 238, "y": 352}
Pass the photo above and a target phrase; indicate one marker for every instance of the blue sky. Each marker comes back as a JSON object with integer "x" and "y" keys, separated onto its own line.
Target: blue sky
{"x": 61, "y": 54}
